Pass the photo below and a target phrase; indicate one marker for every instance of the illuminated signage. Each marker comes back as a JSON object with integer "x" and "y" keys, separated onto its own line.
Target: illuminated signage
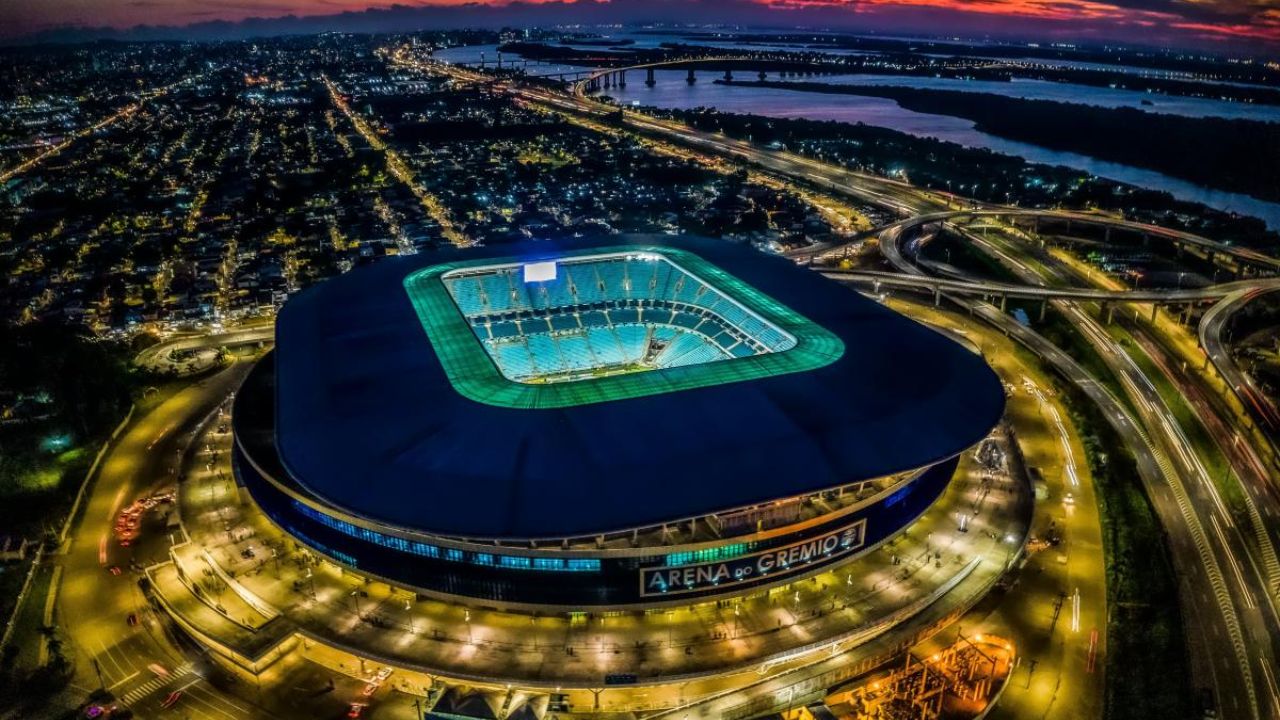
{"x": 773, "y": 563}
{"x": 540, "y": 271}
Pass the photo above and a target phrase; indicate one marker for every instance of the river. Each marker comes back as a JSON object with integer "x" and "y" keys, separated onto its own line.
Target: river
{"x": 672, "y": 92}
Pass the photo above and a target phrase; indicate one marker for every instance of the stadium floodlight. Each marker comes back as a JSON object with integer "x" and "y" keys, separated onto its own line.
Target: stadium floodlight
{"x": 540, "y": 271}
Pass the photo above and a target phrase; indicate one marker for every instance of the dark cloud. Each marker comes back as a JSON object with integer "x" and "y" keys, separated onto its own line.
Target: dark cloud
{"x": 1163, "y": 22}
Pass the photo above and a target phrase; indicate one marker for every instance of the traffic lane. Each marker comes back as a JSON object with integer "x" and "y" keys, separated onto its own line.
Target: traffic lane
{"x": 1246, "y": 589}
{"x": 874, "y": 190}
{"x": 1222, "y": 548}
{"x": 94, "y": 603}
{"x": 1251, "y": 589}
{"x": 1227, "y": 676}
{"x": 1253, "y": 476}
{"x": 1233, "y": 681}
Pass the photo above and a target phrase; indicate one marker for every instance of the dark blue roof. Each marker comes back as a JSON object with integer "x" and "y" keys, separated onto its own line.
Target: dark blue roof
{"x": 368, "y": 421}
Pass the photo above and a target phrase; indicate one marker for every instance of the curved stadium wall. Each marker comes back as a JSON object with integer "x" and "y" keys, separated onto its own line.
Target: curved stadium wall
{"x": 568, "y": 580}
{"x": 520, "y": 428}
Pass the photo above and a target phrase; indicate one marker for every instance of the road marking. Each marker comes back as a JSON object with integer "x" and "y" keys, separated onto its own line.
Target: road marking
{"x": 194, "y": 695}
{"x": 142, "y": 690}
{"x": 1271, "y": 684}
{"x": 1063, "y": 435}
{"x": 1235, "y": 566}
{"x": 156, "y": 683}
{"x": 115, "y": 504}
{"x": 123, "y": 680}
{"x": 194, "y": 680}
{"x": 1093, "y": 651}
{"x": 224, "y": 700}
{"x": 105, "y": 653}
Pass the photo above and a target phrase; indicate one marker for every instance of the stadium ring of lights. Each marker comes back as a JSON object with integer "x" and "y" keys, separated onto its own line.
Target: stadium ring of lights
{"x": 621, "y": 423}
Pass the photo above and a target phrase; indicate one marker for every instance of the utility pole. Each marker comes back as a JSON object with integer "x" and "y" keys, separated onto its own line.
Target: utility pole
{"x": 1057, "y": 610}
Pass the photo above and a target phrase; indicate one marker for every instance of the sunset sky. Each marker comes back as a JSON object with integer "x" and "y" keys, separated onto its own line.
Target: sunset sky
{"x": 1225, "y": 23}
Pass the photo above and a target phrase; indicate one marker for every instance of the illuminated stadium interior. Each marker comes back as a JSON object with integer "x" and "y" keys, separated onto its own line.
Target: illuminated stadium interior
{"x": 584, "y": 317}
{"x": 611, "y": 324}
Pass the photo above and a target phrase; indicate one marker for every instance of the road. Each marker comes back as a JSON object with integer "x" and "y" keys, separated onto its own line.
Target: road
{"x": 904, "y": 198}
{"x": 1209, "y": 548}
{"x": 7, "y": 173}
{"x": 1035, "y": 292}
{"x": 1225, "y": 583}
{"x": 402, "y": 172}
{"x": 141, "y": 664}
{"x": 1243, "y": 256}
{"x": 1211, "y": 329}
{"x": 157, "y": 357}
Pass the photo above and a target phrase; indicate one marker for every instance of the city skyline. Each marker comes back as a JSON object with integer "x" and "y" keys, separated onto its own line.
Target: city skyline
{"x": 1227, "y": 26}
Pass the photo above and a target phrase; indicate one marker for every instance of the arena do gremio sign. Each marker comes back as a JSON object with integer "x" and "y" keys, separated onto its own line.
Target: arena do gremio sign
{"x": 775, "y": 563}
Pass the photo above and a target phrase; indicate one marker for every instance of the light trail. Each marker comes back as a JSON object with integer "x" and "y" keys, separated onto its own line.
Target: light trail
{"x": 1063, "y": 437}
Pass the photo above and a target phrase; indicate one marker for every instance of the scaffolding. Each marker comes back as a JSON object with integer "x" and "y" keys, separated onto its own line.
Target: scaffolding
{"x": 957, "y": 682}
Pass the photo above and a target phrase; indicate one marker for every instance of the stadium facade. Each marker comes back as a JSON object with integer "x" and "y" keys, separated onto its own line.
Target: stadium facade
{"x": 621, "y": 423}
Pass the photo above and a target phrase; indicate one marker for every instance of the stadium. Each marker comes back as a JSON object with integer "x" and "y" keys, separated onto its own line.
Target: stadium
{"x": 619, "y": 423}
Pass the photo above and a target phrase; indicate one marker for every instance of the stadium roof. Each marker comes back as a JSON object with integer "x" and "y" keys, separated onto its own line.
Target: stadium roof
{"x": 369, "y": 420}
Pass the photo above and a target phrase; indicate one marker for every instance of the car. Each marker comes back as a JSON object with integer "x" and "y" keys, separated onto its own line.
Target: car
{"x": 172, "y": 699}
{"x": 133, "y": 619}
{"x": 114, "y": 570}
{"x": 1070, "y": 499}
{"x": 1208, "y": 704}
{"x": 357, "y": 709}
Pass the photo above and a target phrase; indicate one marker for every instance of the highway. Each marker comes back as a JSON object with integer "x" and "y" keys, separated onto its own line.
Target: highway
{"x": 904, "y": 198}
{"x": 1244, "y": 256}
{"x": 1034, "y": 292}
{"x": 1210, "y": 331}
{"x": 1208, "y": 545}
